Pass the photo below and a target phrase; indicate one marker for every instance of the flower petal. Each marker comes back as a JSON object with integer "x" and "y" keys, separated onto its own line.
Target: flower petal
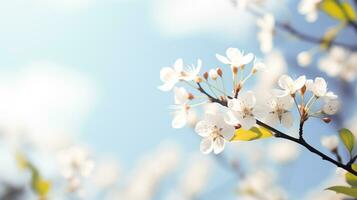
{"x": 300, "y": 82}
{"x": 285, "y": 81}
{"x": 218, "y": 145}
{"x": 222, "y": 59}
{"x": 206, "y": 145}
{"x": 203, "y": 128}
{"x": 248, "y": 122}
{"x": 180, "y": 119}
{"x": 178, "y": 66}
{"x": 287, "y": 120}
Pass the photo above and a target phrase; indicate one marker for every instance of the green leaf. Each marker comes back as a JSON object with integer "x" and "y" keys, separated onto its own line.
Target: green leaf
{"x": 331, "y": 8}
{"x": 41, "y": 187}
{"x": 347, "y": 138}
{"x": 344, "y": 190}
{"x": 251, "y": 134}
{"x": 350, "y": 178}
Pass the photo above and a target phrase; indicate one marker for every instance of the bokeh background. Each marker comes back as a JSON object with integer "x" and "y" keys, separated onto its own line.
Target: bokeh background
{"x": 87, "y": 71}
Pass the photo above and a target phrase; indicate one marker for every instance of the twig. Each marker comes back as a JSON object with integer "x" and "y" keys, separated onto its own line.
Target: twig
{"x": 300, "y": 140}
{"x": 283, "y": 26}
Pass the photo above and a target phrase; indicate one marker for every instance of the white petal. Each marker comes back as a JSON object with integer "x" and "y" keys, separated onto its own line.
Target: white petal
{"x": 272, "y": 119}
{"x": 287, "y": 120}
{"x": 233, "y": 54}
{"x": 234, "y": 104}
{"x": 203, "y": 128}
{"x": 227, "y": 131}
{"x": 247, "y": 58}
{"x": 178, "y": 66}
{"x": 285, "y": 81}
{"x": 181, "y": 95}
{"x": 286, "y": 102}
{"x": 300, "y": 82}
{"x": 167, "y": 74}
{"x": 180, "y": 119}
{"x": 222, "y": 59}
{"x": 248, "y": 122}
{"x": 167, "y": 86}
{"x": 206, "y": 145}
{"x": 218, "y": 145}
{"x": 320, "y": 87}
{"x": 248, "y": 99}
{"x": 231, "y": 118}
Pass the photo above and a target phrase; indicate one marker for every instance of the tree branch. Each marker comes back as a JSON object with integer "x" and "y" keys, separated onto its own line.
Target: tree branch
{"x": 300, "y": 140}
{"x": 283, "y": 26}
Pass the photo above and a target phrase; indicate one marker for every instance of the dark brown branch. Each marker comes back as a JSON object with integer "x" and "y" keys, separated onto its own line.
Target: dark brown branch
{"x": 300, "y": 140}
{"x": 283, "y": 26}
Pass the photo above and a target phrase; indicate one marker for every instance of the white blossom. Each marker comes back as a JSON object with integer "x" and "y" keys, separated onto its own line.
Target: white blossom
{"x": 213, "y": 74}
{"x": 331, "y": 107}
{"x": 290, "y": 86}
{"x": 181, "y": 113}
{"x": 330, "y": 142}
{"x": 339, "y": 63}
{"x": 266, "y": 33}
{"x": 235, "y": 58}
{"x": 215, "y": 133}
{"x": 75, "y": 164}
{"x": 243, "y": 111}
{"x": 279, "y": 111}
{"x": 319, "y": 89}
{"x": 309, "y": 8}
{"x": 171, "y": 75}
{"x": 304, "y": 58}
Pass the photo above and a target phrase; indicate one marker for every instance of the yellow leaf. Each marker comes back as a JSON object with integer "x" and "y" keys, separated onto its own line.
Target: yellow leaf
{"x": 42, "y": 187}
{"x": 251, "y": 134}
{"x": 331, "y": 34}
{"x": 332, "y": 8}
{"x": 21, "y": 161}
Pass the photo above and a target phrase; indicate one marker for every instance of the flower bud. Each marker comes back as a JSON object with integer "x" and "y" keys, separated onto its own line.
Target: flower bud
{"x": 303, "y": 90}
{"x": 190, "y": 96}
{"x": 198, "y": 79}
{"x": 219, "y": 72}
{"x": 330, "y": 142}
{"x": 213, "y": 74}
{"x": 326, "y": 120}
{"x": 235, "y": 70}
{"x": 304, "y": 58}
{"x": 205, "y": 75}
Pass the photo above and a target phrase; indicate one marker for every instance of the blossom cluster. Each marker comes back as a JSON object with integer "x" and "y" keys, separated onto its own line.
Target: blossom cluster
{"x": 240, "y": 107}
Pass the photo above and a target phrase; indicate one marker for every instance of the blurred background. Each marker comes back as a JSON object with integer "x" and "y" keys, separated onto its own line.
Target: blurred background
{"x": 78, "y": 78}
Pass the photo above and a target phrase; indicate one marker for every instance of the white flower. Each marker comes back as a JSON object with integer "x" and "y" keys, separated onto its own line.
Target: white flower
{"x": 213, "y": 74}
{"x": 290, "y": 86}
{"x": 309, "y": 8}
{"x": 329, "y": 142}
{"x": 266, "y": 33}
{"x": 215, "y": 133}
{"x": 319, "y": 88}
{"x": 279, "y": 111}
{"x": 258, "y": 66}
{"x": 242, "y": 111}
{"x": 331, "y": 107}
{"x": 339, "y": 63}
{"x": 235, "y": 58}
{"x": 304, "y": 58}
{"x": 170, "y": 76}
{"x": 75, "y": 164}
{"x": 181, "y": 113}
